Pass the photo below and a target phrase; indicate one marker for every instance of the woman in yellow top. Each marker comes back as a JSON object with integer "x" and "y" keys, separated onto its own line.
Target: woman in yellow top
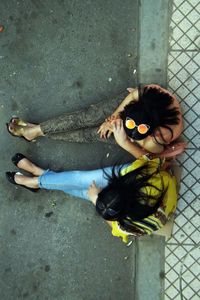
{"x": 148, "y": 196}
{"x": 135, "y": 198}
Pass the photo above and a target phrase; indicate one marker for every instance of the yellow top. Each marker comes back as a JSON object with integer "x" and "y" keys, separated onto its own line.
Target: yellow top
{"x": 167, "y": 207}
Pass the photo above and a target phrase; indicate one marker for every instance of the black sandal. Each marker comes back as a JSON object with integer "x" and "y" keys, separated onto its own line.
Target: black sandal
{"x": 11, "y": 178}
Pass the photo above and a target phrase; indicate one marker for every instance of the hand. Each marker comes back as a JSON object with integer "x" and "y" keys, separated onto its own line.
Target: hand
{"x": 93, "y": 192}
{"x": 119, "y": 132}
{"x": 105, "y": 130}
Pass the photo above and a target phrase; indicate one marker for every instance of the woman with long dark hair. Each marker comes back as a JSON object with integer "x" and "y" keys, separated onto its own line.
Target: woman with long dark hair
{"x": 135, "y": 199}
{"x": 151, "y": 117}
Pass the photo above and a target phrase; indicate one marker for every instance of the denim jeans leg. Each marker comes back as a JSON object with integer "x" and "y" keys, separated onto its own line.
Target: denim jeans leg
{"x": 75, "y": 183}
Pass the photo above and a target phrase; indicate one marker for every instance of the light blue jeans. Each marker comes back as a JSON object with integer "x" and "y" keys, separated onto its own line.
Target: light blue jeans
{"x": 75, "y": 183}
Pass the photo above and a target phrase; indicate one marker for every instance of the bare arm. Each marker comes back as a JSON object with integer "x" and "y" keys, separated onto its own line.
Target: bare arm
{"x": 104, "y": 130}
{"x": 132, "y": 96}
{"x": 133, "y": 148}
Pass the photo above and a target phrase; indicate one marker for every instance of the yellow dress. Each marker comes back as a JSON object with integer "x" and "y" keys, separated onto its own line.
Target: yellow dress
{"x": 167, "y": 206}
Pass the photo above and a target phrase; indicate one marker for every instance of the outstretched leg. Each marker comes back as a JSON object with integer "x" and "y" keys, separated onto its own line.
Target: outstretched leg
{"x": 30, "y": 167}
{"x": 90, "y": 117}
{"x": 75, "y": 183}
{"x": 20, "y": 128}
{"x": 31, "y": 182}
{"x": 23, "y": 163}
{"x": 84, "y": 135}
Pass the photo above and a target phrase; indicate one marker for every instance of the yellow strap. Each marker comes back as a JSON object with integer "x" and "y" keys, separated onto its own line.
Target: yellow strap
{"x": 145, "y": 227}
{"x": 151, "y": 219}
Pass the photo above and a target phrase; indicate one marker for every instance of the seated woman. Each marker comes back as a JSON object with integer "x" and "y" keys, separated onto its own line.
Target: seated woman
{"x": 135, "y": 199}
{"x": 151, "y": 117}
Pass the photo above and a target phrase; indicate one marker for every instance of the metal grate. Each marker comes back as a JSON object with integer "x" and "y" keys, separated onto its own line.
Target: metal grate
{"x": 185, "y": 24}
{"x": 182, "y": 251}
{"x": 182, "y": 269}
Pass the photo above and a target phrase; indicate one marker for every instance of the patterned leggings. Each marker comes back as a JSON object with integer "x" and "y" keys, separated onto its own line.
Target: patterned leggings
{"x": 81, "y": 126}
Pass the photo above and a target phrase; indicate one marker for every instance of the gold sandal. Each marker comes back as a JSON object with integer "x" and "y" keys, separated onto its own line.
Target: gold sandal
{"x": 19, "y": 126}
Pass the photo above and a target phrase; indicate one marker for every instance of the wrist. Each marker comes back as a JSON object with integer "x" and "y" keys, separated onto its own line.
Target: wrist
{"x": 126, "y": 143}
{"x": 112, "y": 117}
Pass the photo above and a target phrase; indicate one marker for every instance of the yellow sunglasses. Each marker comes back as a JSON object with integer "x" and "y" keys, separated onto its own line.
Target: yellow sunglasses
{"x": 142, "y": 128}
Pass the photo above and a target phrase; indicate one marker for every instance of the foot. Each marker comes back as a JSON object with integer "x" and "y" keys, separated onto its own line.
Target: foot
{"x": 20, "y": 128}
{"x": 23, "y": 163}
{"x": 26, "y": 182}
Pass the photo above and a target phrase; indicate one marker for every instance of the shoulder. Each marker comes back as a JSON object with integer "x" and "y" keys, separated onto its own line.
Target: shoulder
{"x": 141, "y": 161}
{"x": 152, "y": 162}
{"x": 153, "y": 146}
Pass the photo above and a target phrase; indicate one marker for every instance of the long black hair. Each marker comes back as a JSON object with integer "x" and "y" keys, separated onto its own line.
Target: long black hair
{"x": 126, "y": 198}
{"x": 152, "y": 109}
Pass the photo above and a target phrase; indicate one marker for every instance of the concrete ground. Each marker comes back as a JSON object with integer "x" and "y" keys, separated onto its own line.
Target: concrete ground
{"x": 58, "y": 56}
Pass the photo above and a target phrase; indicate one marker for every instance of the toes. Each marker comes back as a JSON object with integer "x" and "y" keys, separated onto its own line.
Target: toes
{"x": 18, "y": 178}
{"x": 14, "y": 120}
{"x": 10, "y": 127}
{"x": 15, "y": 129}
{"x": 18, "y": 121}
